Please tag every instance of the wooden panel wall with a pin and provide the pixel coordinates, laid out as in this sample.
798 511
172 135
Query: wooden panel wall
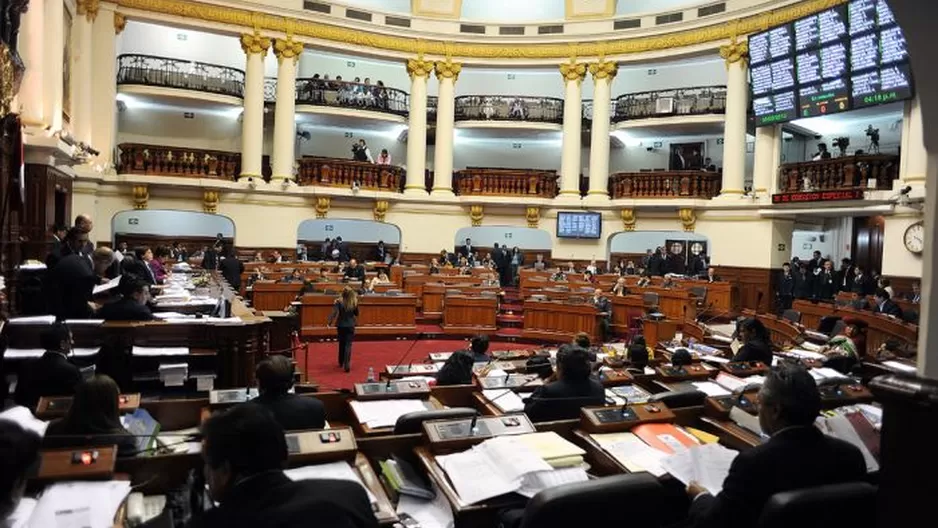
750 283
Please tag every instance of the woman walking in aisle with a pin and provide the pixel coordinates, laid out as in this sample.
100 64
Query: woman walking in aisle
344 315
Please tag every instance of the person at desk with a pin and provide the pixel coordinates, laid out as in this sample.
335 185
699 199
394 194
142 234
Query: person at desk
756 343
232 268
604 310
825 282
380 278
619 289
52 374
19 454
539 263
884 304
843 351
355 272
457 370
345 316
712 276
381 252
789 404
245 450
93 419
132 306
156 264
293 412
861 283
589 277
295 276
70 282
434 267
143 269
858 302
573 385
916 295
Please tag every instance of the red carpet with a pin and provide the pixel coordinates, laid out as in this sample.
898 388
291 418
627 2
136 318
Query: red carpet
324 367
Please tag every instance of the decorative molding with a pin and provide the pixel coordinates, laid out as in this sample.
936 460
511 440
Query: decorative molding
448 70
380 210
286 49
8 86
688 218
476 213
88 8
604 70
628 219
419 68
254 43
245 18
533 216
120 22
210 201
141 196
322 206
573 71
735 51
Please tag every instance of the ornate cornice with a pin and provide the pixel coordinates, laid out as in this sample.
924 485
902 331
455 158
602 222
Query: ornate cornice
285 49
88 8
573 71
254 43
448 70
604 70
419 68
735 51
120 22
257 21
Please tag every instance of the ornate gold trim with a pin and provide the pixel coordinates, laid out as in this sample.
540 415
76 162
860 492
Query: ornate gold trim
380 210
322 206
628 219
419 68
7 79
448 70
120 22
257 21
141 196
688 218
285 49
88 8
573 71
604 70
476 214
254 43
735 51
532 214
210 201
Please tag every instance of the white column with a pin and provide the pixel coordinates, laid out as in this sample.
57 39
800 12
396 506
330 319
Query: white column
447 73
288 55
82 72
914 160
419 70
603 73
104 32
30 44
734 126
573 74
766 160
54 57
252 120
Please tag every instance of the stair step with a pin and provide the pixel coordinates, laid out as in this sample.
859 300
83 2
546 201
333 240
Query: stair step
511 307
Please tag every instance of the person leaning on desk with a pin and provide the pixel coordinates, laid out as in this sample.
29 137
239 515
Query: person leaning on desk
52 374
796 456
93 419
293 412
132 306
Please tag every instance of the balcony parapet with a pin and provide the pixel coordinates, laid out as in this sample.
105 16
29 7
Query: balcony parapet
699 100
165 72
665 184
480 181
843 173
509 108
157 160
332 172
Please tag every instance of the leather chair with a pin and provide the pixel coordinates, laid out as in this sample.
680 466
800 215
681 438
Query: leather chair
792 315
550 409
700 293
639 496
411 423
650 301
675 399
850 504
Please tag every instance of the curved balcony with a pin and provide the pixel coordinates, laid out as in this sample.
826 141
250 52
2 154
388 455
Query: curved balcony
700 100
358 96
665 184
504 108
845 173
164 72
158 160
332 172
481 181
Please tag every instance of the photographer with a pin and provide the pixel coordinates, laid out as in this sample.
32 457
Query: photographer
360 152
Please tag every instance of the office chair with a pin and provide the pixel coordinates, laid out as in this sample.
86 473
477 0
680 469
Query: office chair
680 398
550 409
827 324
700 292
638 496
850 504
792 315
650 301
411 423
838 328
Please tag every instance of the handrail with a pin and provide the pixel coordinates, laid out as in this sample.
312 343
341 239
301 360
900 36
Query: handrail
324 92
505 182
509 108
151 70
334 172
848 172
665 184
664 103
162 160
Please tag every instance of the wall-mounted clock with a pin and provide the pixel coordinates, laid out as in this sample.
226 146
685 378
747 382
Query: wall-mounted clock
914 238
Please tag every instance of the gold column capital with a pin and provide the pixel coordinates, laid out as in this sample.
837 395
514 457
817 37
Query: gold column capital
604 69
448 70
735 51
88 8
573 71
254 43
141 196
380 210
210 201
285 49
629 220
532 215
688 218
120 22
322 206
476 214
419 68
8 83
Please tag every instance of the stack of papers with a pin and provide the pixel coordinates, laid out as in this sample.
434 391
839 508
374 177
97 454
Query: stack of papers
159 351
25 419
553 449
707 465
843 427
505 399
897 365
384 413
107 286
826 373
729 382
805 354
710 388
25 353
631 452
334 470
33 319
174 374
80 504
630 394
434 513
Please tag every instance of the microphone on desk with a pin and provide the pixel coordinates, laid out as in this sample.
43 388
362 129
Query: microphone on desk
401 360
706 310
740 392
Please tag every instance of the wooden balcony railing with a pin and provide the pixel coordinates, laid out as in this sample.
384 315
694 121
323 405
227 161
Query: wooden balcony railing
333 172
177 161
149 70
848 172
477 181
508 108
665 184
666 103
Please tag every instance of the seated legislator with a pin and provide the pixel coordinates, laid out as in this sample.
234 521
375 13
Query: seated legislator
132 306
292 412
19 453
583 340
756 343
92 420
619 289
884 304
380 278
52 374
712 276
574 388
639 354
71 281
294 276
479 348
156 264
457 370
539 263
844 351
231 268
142 267
354 272
796 456
245 450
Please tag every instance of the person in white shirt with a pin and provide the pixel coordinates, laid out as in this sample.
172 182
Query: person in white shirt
384 158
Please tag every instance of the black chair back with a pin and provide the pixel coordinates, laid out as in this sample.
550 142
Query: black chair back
838 328
850 504
675 399
588 503
411 423
792 315
551 409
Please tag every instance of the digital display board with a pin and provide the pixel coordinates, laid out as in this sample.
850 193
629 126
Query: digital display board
579 225
846 57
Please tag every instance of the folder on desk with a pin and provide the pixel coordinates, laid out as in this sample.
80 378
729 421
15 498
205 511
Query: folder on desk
553 449
664 437
404 480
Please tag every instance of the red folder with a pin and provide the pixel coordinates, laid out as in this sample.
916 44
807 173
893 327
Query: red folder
663 436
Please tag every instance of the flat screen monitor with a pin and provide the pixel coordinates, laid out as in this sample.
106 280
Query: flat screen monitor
579 225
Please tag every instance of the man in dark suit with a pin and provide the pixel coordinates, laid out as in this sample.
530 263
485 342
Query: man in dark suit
292 411
786 288
802 281
573 388
479 347
676 262
355 272
381 252
70 282
132 306
85 224
52 374
656 263
789 403
861 283
698 265
244 449
845 276
57 231
604 309
343 249
825 282
498 256
466 249
231 268
885 305
816 262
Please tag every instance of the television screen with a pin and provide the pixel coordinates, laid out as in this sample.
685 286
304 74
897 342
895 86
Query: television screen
579 225
846 57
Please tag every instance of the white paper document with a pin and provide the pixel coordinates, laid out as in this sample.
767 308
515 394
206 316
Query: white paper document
25 419
707 464
729 382
20 516
434 513
159 351
505 399
630 451
26 353
84 322
805 354
80 504
825 373
384 413
745 420
897 365
107 286
334 470
710 388
33 319
840 427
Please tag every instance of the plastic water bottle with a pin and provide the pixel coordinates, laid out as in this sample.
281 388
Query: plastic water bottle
371 375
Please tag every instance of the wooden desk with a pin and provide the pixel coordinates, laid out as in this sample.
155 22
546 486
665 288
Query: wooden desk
274 295
50 408
56 464
782 332
414 285
435 295
660 331
469 314
559 322
879 327
378 315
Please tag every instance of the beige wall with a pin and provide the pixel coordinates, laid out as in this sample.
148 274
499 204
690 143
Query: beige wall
897 260
747 241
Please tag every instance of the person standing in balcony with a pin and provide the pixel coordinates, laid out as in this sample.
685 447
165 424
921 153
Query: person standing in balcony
822 153
360 152
381 95
384 158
